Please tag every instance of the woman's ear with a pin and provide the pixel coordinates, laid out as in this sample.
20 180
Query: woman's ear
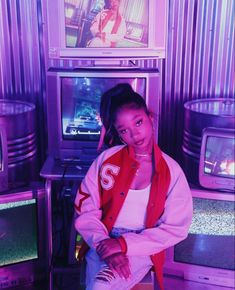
151 116
101 141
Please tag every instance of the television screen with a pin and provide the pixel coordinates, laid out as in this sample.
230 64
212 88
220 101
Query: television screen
24 236
207 255
217 163
219 158
81 102
73 101
210 241
106 28
131 28
18 232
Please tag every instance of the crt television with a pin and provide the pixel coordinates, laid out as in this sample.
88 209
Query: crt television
217 163
69 26
3 160
207 255
23 240
73 101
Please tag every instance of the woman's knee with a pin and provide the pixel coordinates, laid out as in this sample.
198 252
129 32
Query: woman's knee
104 279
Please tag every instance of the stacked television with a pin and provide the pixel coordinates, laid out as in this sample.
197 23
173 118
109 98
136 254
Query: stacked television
69 33
73 107
23 226
73 92
75 83
23 236
207 255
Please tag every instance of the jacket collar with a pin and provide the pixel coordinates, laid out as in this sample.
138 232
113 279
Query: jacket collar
156 151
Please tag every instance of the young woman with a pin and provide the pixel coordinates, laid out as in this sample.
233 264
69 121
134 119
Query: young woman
134 201
108 27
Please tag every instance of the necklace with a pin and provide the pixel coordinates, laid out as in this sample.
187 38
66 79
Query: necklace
142 155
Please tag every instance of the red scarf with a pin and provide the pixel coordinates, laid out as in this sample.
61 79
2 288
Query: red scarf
117 22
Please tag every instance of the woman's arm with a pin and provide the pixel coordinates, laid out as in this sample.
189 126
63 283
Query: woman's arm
95 25
87 205
173 225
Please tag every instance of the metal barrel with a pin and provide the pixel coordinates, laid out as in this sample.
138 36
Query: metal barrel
19 119
200 114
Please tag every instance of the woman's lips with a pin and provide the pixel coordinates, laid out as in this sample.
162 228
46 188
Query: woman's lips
138 143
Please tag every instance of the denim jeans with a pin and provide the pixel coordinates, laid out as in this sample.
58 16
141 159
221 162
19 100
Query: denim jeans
139 265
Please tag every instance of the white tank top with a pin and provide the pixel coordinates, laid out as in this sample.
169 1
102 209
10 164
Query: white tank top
108 27
133 212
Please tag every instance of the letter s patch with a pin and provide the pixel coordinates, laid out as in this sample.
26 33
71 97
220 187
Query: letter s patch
106 173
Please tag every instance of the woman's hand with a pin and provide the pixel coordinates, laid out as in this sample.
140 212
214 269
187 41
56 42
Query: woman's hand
119 263
107 248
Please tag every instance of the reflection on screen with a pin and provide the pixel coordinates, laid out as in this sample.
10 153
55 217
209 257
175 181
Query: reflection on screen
78 245
18 232
81 102
219 156
108 23
211 236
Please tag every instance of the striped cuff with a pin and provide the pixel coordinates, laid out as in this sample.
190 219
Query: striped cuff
123 244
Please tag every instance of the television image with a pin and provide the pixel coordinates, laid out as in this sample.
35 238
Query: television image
217 162
207 255
23 240
3 160
80 111
104 28
73 101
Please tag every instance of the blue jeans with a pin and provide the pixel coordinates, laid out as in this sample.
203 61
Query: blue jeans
139 265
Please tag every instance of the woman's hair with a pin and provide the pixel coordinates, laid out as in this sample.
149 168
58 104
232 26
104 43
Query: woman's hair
107 4
111 102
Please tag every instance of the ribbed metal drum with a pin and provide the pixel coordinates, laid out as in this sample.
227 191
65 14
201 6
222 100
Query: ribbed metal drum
199 114
20 122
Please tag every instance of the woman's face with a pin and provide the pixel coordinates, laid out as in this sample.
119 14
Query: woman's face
114 4
135 128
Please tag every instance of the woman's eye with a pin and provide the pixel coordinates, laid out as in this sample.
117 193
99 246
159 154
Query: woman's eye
138 123
123 131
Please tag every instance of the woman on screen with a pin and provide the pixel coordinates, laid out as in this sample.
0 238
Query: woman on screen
108 27
134 201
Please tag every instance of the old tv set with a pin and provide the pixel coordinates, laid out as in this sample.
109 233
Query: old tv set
23 238
207 255
217 162
139 32
3 160
73 101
